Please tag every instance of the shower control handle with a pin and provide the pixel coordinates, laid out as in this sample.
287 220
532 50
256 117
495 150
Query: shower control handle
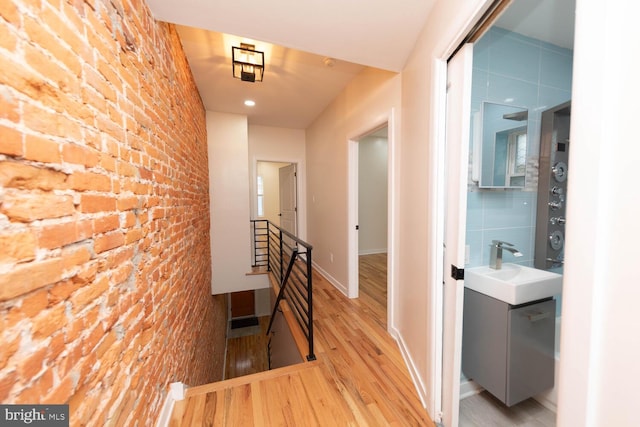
557 220
555 205
556 191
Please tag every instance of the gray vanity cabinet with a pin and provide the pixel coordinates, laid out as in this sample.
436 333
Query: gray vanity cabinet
508 349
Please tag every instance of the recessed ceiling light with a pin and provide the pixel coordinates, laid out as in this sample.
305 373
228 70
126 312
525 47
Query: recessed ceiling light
249 103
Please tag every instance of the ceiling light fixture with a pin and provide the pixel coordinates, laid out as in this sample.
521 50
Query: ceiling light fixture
248 63
249 103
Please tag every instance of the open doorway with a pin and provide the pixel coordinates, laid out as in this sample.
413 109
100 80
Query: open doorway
372 217
369 171
276 193
481 212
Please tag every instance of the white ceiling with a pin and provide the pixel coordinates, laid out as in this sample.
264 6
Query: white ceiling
296 88
297 36
376 33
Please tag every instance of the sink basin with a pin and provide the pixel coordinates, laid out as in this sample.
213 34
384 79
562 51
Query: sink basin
514 284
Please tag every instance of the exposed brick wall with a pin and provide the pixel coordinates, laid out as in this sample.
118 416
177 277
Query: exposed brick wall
104 212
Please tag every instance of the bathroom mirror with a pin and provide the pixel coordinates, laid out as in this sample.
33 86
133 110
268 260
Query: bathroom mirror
501 146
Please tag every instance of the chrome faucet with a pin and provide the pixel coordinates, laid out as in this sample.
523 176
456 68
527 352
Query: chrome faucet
496 253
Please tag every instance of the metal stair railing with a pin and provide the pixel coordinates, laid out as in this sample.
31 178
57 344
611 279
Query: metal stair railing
289 262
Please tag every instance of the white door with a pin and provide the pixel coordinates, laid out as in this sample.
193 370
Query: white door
456 161
288 199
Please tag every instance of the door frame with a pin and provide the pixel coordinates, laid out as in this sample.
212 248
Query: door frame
484 12
301 185
386 119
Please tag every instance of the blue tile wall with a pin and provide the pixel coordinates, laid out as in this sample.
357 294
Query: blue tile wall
512 69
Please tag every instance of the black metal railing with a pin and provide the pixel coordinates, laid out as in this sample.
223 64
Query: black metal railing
288 260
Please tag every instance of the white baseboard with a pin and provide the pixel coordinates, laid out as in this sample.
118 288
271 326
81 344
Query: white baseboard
413 371
468 388
339 286
175 394
372 251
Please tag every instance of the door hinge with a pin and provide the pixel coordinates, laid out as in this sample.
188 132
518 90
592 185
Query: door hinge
457 273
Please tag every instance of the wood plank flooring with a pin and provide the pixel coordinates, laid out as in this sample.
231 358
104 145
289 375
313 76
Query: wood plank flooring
359 377
248 354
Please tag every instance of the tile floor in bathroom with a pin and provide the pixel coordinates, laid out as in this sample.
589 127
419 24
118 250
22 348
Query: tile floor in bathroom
483 409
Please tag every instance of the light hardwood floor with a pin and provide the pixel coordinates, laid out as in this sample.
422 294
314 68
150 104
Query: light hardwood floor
248 354
359 377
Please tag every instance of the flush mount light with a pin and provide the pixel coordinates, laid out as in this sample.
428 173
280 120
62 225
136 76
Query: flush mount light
249 103
248 63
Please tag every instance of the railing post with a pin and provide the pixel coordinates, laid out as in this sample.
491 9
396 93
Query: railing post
281 255
311 355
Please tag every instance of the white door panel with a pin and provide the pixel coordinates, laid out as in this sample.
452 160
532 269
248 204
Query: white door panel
288 199
456 158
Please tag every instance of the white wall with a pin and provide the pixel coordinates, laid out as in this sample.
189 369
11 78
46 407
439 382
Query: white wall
600 341
372 195
420 264
227 143
365 103
280 145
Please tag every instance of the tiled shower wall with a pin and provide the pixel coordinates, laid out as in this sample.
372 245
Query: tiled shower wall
511 69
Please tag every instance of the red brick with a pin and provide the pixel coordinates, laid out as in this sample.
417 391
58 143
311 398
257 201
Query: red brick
75 255
18 246
85 181
27 207
24 176
92 203
56 347
106 223
62 290
107 162
126 203
10 13
7 350
88 294
110 147
86 274
35 302
41 36
38 388
80 155
49 321
65 233
61 393
108 241
27 277
41 149
43 63
32 364
7 382
45 121
133 236
11 141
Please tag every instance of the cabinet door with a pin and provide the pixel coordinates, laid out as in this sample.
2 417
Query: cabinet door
484 342
531 352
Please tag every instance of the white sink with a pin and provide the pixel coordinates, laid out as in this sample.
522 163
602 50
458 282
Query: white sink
514 284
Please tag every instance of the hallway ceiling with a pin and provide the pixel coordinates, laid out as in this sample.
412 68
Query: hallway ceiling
297 37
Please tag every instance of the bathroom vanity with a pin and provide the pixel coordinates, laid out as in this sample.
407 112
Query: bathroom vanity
508 349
